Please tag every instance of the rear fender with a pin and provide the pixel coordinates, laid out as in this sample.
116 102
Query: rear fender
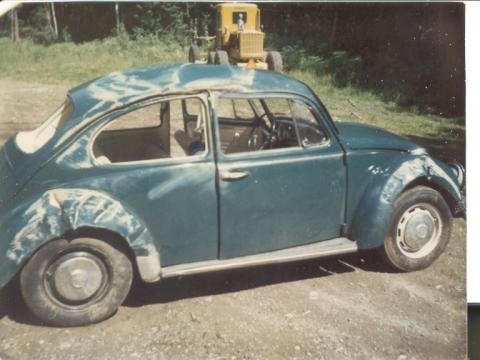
59 211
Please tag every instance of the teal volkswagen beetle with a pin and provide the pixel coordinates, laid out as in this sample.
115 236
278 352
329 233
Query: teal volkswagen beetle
181 169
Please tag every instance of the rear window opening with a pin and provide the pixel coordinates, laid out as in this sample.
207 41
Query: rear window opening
30 141
168 129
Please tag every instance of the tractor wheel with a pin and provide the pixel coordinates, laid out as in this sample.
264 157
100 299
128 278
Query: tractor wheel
274 61
211 57
193 53
221 57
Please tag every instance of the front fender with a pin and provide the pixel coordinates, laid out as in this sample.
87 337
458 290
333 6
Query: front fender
372 216
36 221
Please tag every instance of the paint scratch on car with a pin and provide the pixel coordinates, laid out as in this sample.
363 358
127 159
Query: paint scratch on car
61 210
76 155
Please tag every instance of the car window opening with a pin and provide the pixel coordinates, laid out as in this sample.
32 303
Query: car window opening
260 124
170 129
31 141
239 18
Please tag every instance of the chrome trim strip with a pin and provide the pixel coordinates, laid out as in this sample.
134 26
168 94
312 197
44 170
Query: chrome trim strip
321 249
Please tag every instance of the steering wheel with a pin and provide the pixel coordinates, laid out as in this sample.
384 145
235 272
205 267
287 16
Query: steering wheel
266 121
266 125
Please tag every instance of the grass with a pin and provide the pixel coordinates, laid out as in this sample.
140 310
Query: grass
71 64
445 137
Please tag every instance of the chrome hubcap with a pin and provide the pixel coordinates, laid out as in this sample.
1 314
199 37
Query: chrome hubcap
76 277
418 230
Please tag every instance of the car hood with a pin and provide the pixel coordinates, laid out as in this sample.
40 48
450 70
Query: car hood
355 136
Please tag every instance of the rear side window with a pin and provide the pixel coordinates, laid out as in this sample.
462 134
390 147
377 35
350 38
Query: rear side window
190 107
31 141
147 117
156 131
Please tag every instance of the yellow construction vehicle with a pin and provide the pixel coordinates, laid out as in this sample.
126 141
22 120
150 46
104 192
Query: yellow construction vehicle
239 40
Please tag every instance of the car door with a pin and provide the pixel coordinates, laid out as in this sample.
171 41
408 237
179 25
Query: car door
281 192
145 159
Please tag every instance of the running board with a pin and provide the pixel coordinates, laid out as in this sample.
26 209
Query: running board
324 248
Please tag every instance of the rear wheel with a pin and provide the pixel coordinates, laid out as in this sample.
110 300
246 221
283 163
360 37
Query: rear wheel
274 61
221 57
419 230
211 57
77 282
193 53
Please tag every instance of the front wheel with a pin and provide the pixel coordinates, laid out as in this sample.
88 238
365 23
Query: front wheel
77 282
274 61
420 228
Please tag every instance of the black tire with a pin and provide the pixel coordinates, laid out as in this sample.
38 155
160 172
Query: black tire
47 269
193 53
211 57
274 61
420 216
221 57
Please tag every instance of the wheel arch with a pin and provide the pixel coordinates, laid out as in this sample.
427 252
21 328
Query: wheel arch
145 259
107 235
451 201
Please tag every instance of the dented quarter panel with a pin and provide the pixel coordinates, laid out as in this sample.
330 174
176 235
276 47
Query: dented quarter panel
58 211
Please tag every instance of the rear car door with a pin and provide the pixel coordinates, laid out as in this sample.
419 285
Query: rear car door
281 176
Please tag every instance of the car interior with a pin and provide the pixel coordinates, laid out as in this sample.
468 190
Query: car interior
265 123
156 131
176 128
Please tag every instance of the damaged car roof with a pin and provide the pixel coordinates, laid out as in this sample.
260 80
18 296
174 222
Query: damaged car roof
123 87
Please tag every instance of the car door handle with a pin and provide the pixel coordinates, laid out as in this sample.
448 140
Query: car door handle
233 175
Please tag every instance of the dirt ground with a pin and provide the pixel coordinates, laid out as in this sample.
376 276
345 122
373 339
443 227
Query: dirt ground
338 308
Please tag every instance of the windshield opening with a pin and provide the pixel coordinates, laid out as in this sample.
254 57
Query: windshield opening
31 141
